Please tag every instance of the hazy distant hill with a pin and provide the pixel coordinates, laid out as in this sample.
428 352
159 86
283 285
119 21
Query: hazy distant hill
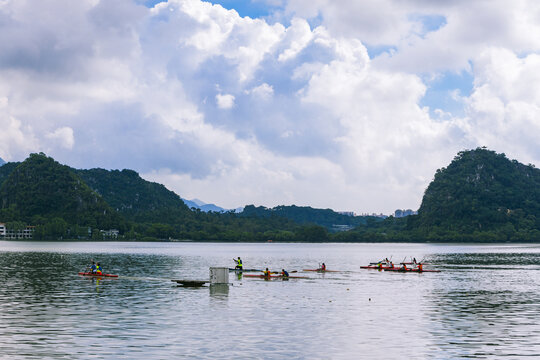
198 204
2 162
40 189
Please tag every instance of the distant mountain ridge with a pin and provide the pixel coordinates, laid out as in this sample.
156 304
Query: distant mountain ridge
479 196
201 205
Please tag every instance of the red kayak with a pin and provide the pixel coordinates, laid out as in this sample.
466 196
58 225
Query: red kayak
375 267
275 276
97 275
320 270
411 270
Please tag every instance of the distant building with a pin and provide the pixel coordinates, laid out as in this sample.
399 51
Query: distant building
399 213
348 213
110 234
381 215
342 227
11 234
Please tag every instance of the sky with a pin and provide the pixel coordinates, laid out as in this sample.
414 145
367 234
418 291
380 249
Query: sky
350 105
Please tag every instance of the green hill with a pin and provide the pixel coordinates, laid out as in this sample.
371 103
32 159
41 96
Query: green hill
307 215
481 190
40 189
135 198
7 169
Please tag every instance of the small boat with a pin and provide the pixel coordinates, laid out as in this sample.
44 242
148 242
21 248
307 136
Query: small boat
244 270
397 269
190 283
97 275
276 276
320 270
376 267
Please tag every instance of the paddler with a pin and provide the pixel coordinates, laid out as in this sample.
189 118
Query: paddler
93 268
99 270
419 267
284 273
266 273
239 265
323 267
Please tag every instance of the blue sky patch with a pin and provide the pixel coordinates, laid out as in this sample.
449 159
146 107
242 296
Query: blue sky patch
439 92
429 23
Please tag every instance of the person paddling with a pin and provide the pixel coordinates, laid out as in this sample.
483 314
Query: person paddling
323 267
239 265
93 268
99 270
284 273
266 273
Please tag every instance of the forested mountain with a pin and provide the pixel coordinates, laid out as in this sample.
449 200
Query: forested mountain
481 190
135 198
40 190
306 215
480 196
7 169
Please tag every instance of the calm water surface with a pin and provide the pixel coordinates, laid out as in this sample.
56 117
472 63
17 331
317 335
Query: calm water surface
484 304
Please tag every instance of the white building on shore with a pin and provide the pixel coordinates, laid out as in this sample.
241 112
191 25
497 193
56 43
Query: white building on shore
12 234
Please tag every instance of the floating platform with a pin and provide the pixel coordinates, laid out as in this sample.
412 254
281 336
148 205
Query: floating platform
190 283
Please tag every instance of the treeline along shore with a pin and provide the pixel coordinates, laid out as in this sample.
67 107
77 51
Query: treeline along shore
481 196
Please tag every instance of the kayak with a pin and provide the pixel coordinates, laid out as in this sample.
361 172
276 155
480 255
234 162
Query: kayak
96 275
245 270
375 267
411 270
276 276
319 270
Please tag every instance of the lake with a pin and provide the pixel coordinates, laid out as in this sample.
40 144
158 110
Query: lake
485 302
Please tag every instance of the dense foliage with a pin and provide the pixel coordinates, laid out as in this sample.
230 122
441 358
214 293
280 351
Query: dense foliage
42 192
135 198
306 215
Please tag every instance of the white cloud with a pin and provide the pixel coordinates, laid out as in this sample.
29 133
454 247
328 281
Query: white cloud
114 85
63 136
225 101
504 109
16 140
263 91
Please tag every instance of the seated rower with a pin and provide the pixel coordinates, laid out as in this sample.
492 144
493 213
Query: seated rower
93 268
284 273
323 267
99 270
266 273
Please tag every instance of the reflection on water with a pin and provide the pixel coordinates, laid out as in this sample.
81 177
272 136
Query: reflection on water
484 303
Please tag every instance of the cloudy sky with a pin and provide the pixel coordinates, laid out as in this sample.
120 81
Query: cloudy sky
350 105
